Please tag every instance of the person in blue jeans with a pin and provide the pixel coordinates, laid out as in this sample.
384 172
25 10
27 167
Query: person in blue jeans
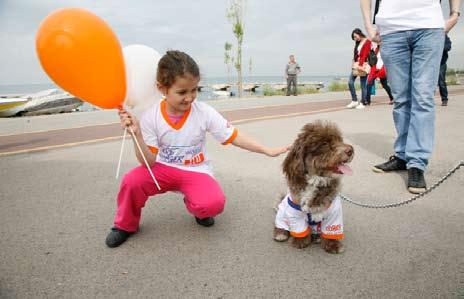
442 78
412 34
361 50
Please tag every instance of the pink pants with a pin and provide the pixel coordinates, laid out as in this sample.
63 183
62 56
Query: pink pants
203 195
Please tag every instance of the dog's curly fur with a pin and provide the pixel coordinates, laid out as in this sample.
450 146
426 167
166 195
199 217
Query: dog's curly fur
310 168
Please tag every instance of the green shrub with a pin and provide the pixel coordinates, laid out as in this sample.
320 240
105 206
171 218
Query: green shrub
342 86
269 91
451 80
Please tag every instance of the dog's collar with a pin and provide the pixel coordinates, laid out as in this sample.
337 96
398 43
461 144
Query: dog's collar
292 204
298 207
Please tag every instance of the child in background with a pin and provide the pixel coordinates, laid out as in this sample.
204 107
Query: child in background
377 71
172 135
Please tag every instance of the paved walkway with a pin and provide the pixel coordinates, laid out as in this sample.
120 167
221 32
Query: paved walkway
57 206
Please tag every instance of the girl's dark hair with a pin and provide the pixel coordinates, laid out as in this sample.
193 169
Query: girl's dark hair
358 32
173 64
356 44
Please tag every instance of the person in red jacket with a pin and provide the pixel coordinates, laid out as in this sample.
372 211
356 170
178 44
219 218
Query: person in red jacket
360 53
377 71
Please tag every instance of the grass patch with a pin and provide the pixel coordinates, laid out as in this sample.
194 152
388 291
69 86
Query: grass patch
269 91
342 86
451 80
338 86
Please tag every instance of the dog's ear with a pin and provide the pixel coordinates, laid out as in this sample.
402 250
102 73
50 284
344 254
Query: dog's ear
294 167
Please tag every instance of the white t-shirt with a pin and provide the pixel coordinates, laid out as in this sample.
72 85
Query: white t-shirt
379 58
291 218
401 15
182 145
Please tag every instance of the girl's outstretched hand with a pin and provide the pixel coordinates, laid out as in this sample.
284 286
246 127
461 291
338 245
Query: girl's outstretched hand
277 151
128 120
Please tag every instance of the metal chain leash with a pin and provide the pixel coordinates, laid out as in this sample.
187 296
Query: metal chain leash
405 202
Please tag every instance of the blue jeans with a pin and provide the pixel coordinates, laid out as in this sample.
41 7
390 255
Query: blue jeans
385 86
412 59
353 89
442 78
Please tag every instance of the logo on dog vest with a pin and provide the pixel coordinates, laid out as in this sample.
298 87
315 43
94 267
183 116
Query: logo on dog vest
332 228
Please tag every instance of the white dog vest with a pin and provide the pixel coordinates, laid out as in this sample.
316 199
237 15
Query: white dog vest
291 218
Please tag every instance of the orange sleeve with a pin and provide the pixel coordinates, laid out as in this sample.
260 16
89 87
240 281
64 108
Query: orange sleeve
153 149
232 137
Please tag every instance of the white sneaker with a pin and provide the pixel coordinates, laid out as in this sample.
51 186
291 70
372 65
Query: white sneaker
352 105
360 106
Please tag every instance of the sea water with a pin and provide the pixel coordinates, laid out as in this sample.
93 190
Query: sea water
207 94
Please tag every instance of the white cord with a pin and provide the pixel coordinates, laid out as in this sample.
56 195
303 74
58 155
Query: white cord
120 154
144 159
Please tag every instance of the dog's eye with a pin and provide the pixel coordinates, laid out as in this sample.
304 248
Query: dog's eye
324 145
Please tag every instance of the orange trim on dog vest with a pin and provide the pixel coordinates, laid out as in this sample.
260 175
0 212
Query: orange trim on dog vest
333 237
302 234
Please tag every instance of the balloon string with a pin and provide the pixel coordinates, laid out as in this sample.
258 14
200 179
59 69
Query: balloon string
120 154
144 159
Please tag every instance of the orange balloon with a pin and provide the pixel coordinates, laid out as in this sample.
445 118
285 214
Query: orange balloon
82 55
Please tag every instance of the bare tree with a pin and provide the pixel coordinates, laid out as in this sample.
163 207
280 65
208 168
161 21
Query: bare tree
235 14
228 60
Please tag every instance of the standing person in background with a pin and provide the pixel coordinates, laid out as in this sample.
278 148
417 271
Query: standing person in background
442 78
361 50
412 34
377 71
291 72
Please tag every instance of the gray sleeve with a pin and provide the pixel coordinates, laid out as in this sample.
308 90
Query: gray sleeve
298 67
286 69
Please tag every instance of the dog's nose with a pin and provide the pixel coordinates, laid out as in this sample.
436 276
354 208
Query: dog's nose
349 151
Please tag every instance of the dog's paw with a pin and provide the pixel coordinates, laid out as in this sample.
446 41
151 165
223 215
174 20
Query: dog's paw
280 235
301 243
333 246
315 238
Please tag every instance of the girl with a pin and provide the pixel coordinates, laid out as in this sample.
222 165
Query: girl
172 136
377 71
361 51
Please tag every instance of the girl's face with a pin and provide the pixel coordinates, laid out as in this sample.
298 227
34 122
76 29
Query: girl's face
180 96
357 37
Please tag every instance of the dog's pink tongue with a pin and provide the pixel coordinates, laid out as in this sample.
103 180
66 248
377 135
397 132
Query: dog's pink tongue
345 169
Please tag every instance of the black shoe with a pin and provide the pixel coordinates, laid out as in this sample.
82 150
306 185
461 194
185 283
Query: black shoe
116 237
393 164
416 181
208 221
444 103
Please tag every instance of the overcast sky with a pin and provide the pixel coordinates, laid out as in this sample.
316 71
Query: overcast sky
317 32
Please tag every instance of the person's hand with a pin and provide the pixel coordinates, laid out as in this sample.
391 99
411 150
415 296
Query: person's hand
277 151
373 33
129 121
449 24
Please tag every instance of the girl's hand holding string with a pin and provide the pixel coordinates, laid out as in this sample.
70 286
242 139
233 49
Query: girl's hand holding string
129 121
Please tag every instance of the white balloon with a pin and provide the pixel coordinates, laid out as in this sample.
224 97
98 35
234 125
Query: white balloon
141 65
